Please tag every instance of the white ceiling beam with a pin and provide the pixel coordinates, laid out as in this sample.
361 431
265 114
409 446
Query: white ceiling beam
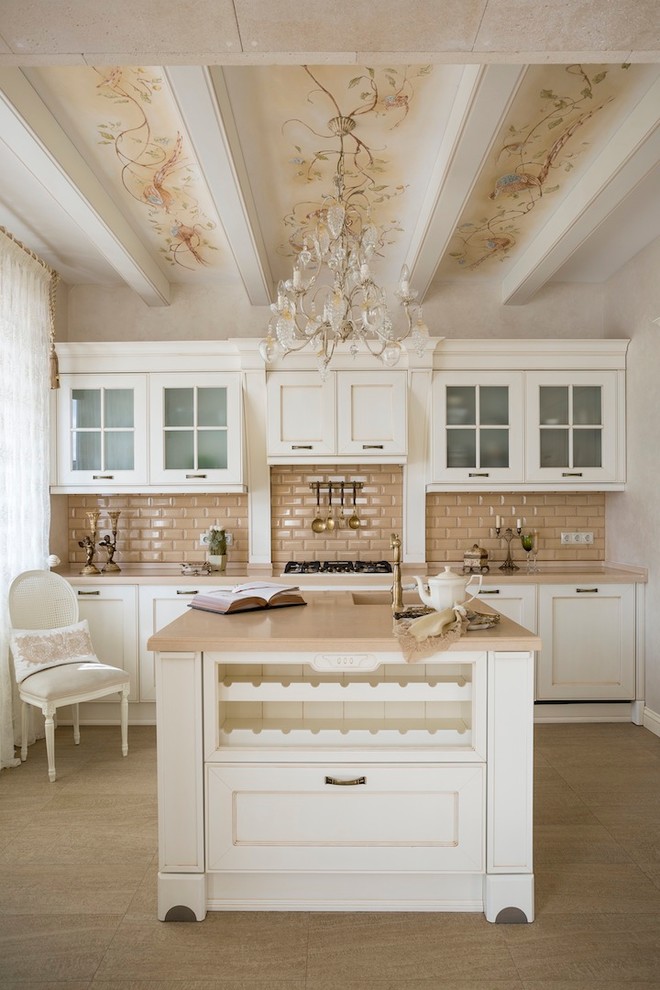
203 102
35 137
482 100
629 156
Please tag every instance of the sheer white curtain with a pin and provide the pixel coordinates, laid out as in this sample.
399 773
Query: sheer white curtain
24 445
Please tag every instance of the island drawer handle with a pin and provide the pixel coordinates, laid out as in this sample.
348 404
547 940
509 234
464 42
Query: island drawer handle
372 446
103 477
89 592
571 474
195 476
478 474
345 783
586 591
302 446
489 591
187 592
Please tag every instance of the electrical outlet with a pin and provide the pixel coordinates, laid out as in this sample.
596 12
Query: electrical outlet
579 538
566 538
229 538
203 539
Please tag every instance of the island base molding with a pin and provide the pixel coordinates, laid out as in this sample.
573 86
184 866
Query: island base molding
503 898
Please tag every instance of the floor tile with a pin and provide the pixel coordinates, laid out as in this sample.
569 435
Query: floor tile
561 844
54 947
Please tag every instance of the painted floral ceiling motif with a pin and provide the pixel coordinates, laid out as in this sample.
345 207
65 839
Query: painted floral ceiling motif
125 120
543 145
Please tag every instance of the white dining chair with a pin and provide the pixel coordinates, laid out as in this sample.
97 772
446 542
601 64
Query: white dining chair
54 660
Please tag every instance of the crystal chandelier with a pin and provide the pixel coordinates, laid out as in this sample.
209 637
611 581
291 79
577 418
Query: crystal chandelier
331 297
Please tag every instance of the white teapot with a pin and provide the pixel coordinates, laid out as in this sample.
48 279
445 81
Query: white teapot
447 589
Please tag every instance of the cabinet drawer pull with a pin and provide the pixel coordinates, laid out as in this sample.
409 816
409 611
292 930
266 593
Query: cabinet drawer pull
372 446
302 446
195 476
195 592
89 592
103 477
586 591
571 474
345 783
489 591
478 474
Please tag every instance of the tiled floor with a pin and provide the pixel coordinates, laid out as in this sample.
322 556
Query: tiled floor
78 871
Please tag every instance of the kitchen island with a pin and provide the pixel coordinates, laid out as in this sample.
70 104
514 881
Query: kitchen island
303 764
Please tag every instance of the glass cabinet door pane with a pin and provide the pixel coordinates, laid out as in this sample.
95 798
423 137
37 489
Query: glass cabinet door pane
587 405
86 408
179 449
494 405
554 448
86 451
553 401
212 407
212 449
461 405
119 455
179 407
587 451
494 449
461 448
118 408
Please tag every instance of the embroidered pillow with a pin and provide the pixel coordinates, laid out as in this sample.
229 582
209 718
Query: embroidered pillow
38 649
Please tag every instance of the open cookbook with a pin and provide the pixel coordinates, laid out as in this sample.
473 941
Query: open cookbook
247 597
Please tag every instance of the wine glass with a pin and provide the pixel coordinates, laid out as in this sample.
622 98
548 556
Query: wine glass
528 542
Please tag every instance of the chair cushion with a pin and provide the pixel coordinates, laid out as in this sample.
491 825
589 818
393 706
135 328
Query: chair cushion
73 679
39 649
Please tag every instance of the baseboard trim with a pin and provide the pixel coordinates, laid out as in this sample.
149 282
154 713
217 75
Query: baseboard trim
652 721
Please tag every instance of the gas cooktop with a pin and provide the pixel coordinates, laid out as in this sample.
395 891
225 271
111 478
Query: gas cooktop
338 567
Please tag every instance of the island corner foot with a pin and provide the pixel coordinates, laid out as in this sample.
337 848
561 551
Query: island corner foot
181 896
509 898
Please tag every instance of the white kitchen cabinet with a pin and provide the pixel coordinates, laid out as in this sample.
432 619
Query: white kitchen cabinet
158 606
574 427
101 431
516 601
355 415
478 428
588 642
196 431
301 414
111 611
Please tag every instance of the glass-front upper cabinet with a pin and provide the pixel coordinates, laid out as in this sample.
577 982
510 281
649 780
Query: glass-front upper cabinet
101 437
477 428
196 429
572 427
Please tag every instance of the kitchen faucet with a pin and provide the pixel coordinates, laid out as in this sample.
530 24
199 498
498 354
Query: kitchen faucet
397 588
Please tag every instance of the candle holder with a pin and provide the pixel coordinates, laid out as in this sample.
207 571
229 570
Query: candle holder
110 546
88 544
508 535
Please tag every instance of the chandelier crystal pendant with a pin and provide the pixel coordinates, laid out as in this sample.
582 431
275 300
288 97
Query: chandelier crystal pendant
331 297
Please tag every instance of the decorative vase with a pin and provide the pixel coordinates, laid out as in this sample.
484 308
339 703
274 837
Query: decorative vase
218 561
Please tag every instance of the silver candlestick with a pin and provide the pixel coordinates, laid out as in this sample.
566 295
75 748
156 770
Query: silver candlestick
508 535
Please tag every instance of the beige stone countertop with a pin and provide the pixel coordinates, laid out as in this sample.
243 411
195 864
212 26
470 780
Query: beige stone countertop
329 622
566 573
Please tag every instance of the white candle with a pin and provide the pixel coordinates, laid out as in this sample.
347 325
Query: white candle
518 524
497 522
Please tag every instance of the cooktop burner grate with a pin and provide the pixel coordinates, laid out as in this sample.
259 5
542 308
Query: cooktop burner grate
338 567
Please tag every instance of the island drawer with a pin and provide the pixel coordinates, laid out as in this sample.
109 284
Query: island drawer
345 817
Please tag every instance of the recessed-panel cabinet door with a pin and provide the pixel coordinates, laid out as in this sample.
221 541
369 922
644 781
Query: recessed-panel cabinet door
111 611
101 437
574 433
372 413
196 430
588 636
301 415
478 428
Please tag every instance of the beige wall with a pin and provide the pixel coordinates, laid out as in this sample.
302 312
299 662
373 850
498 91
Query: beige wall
632 300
